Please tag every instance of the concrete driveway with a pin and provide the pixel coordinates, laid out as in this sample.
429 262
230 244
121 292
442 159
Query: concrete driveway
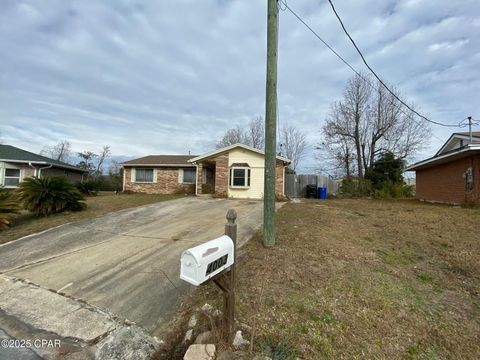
126 262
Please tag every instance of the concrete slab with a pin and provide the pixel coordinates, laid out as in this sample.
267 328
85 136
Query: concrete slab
127 262
45 310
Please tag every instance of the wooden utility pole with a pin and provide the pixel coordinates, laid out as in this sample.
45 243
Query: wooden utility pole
270 125
470 128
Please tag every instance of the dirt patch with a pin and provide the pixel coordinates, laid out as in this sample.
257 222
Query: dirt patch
362 279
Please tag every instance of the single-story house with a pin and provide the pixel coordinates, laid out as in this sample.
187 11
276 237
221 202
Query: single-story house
17 164
453 174
235 171
160 174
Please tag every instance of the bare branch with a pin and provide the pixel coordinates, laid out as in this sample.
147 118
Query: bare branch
294 145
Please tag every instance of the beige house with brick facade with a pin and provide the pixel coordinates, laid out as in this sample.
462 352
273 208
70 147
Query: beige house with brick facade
17 164
453 174
236 171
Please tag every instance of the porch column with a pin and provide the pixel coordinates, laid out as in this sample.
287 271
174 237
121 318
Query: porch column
199 178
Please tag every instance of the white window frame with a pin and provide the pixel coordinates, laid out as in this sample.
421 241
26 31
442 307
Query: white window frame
247 177
5 177
144 182
194 177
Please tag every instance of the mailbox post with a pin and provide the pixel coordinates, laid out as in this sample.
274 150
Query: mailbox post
215 260
229 295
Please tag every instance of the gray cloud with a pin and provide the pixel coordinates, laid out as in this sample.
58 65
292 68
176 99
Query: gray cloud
172 76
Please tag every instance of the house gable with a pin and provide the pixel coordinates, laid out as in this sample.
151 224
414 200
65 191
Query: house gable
457 141
228 149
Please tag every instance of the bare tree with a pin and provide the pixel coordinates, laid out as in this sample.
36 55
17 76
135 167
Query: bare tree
232 136
115 168
336 155
115 173
349 117
93 162
294 145
255 134
373 123
104 154
60 152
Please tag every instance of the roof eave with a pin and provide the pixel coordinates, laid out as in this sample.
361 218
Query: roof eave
436 158
159 165
454 135
44 163
230 147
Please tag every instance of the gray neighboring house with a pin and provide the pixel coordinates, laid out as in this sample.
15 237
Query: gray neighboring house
17 164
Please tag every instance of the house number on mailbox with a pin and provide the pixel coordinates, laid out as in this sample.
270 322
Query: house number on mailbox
214 265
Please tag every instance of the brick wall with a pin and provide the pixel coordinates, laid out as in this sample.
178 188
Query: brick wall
446 182
167 183
199 178
221 175
279 179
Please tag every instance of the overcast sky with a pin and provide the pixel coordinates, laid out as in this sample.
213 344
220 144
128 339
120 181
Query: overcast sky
168 77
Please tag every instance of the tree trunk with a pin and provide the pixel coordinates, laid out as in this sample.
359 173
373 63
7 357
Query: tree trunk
357 143
347 161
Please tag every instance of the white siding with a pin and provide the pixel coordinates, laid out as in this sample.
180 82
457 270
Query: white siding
4 165
257 165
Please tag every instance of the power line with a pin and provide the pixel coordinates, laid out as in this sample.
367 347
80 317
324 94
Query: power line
378 78
286 6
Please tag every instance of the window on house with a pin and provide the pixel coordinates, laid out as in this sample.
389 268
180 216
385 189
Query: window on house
144 175
189 175
12 177
240 177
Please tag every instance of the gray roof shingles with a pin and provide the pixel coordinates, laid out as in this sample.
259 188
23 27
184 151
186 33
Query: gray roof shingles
9 152
181 160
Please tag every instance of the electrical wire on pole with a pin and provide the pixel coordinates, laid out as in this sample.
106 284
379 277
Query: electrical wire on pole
300 19
378 77
471 122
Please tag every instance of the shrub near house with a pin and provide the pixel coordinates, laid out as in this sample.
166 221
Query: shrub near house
8 207
49 195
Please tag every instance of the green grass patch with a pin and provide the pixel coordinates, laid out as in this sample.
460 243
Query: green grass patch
425 277
277 350
395 257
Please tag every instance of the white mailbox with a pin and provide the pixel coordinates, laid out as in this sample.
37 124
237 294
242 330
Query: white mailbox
200 263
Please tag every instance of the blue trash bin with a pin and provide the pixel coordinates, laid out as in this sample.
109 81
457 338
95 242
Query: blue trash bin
322 193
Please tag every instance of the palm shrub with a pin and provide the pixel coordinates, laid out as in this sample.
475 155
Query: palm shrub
49 195
8 207
87 187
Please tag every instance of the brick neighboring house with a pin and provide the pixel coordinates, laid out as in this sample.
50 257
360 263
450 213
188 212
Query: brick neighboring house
160 174
453 174
17 164
236 171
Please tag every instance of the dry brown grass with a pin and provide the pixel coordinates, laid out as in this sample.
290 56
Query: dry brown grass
364 279
26 224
